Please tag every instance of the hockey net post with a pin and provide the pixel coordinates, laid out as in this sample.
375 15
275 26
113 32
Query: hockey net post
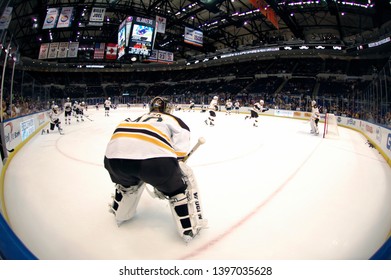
330 126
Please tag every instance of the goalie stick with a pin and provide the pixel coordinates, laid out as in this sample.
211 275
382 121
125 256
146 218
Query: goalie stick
200 141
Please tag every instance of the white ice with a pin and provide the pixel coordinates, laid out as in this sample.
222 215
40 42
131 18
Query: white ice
271 192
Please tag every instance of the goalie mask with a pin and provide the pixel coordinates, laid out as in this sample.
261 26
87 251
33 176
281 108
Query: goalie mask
160 104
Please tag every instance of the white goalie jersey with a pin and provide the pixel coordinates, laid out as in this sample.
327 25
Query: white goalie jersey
150 137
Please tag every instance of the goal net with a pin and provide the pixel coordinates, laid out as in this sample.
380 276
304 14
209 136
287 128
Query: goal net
330 126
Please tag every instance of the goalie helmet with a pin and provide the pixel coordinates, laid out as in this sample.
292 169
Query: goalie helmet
55 108
313 103
160 104
215 97
261 102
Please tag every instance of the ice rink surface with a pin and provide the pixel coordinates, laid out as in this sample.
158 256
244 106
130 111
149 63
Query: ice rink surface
272 192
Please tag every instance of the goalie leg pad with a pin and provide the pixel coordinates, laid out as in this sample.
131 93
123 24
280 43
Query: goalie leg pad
312 123
186 208
125 202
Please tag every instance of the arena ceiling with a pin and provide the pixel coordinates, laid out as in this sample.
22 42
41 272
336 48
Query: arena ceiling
226 24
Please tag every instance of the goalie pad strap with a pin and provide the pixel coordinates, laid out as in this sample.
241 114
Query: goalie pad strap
125 202
186 207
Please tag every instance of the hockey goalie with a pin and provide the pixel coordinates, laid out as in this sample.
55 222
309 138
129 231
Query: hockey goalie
151 150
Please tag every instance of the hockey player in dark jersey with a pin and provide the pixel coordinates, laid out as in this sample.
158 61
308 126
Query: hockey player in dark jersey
151 149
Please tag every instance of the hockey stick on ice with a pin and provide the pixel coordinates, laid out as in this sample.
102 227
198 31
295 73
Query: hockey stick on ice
91 120
154 192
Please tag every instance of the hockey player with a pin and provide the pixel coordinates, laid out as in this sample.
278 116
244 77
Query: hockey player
107 106
257 108
315 116
228 107
54 117
192 105
213 107
150 150
80 111
74 109
68 111
53 104
237 106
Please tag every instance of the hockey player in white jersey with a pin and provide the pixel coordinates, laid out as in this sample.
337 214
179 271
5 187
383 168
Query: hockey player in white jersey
228 107
315 116
74 108
80 111
68 111
150 150
54 116
107 106
254 112
237 106
213 107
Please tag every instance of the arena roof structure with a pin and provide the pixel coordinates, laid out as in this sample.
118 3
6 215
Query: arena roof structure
226 25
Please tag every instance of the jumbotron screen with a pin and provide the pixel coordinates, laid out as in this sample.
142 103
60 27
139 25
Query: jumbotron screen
142 36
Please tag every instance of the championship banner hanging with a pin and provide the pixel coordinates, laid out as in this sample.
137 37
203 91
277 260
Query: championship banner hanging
53 48
62 50
161 24
43 51
6 18
73 49
65 17
51 18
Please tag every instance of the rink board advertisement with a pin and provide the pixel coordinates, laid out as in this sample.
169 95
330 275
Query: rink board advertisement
19 129
378 135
